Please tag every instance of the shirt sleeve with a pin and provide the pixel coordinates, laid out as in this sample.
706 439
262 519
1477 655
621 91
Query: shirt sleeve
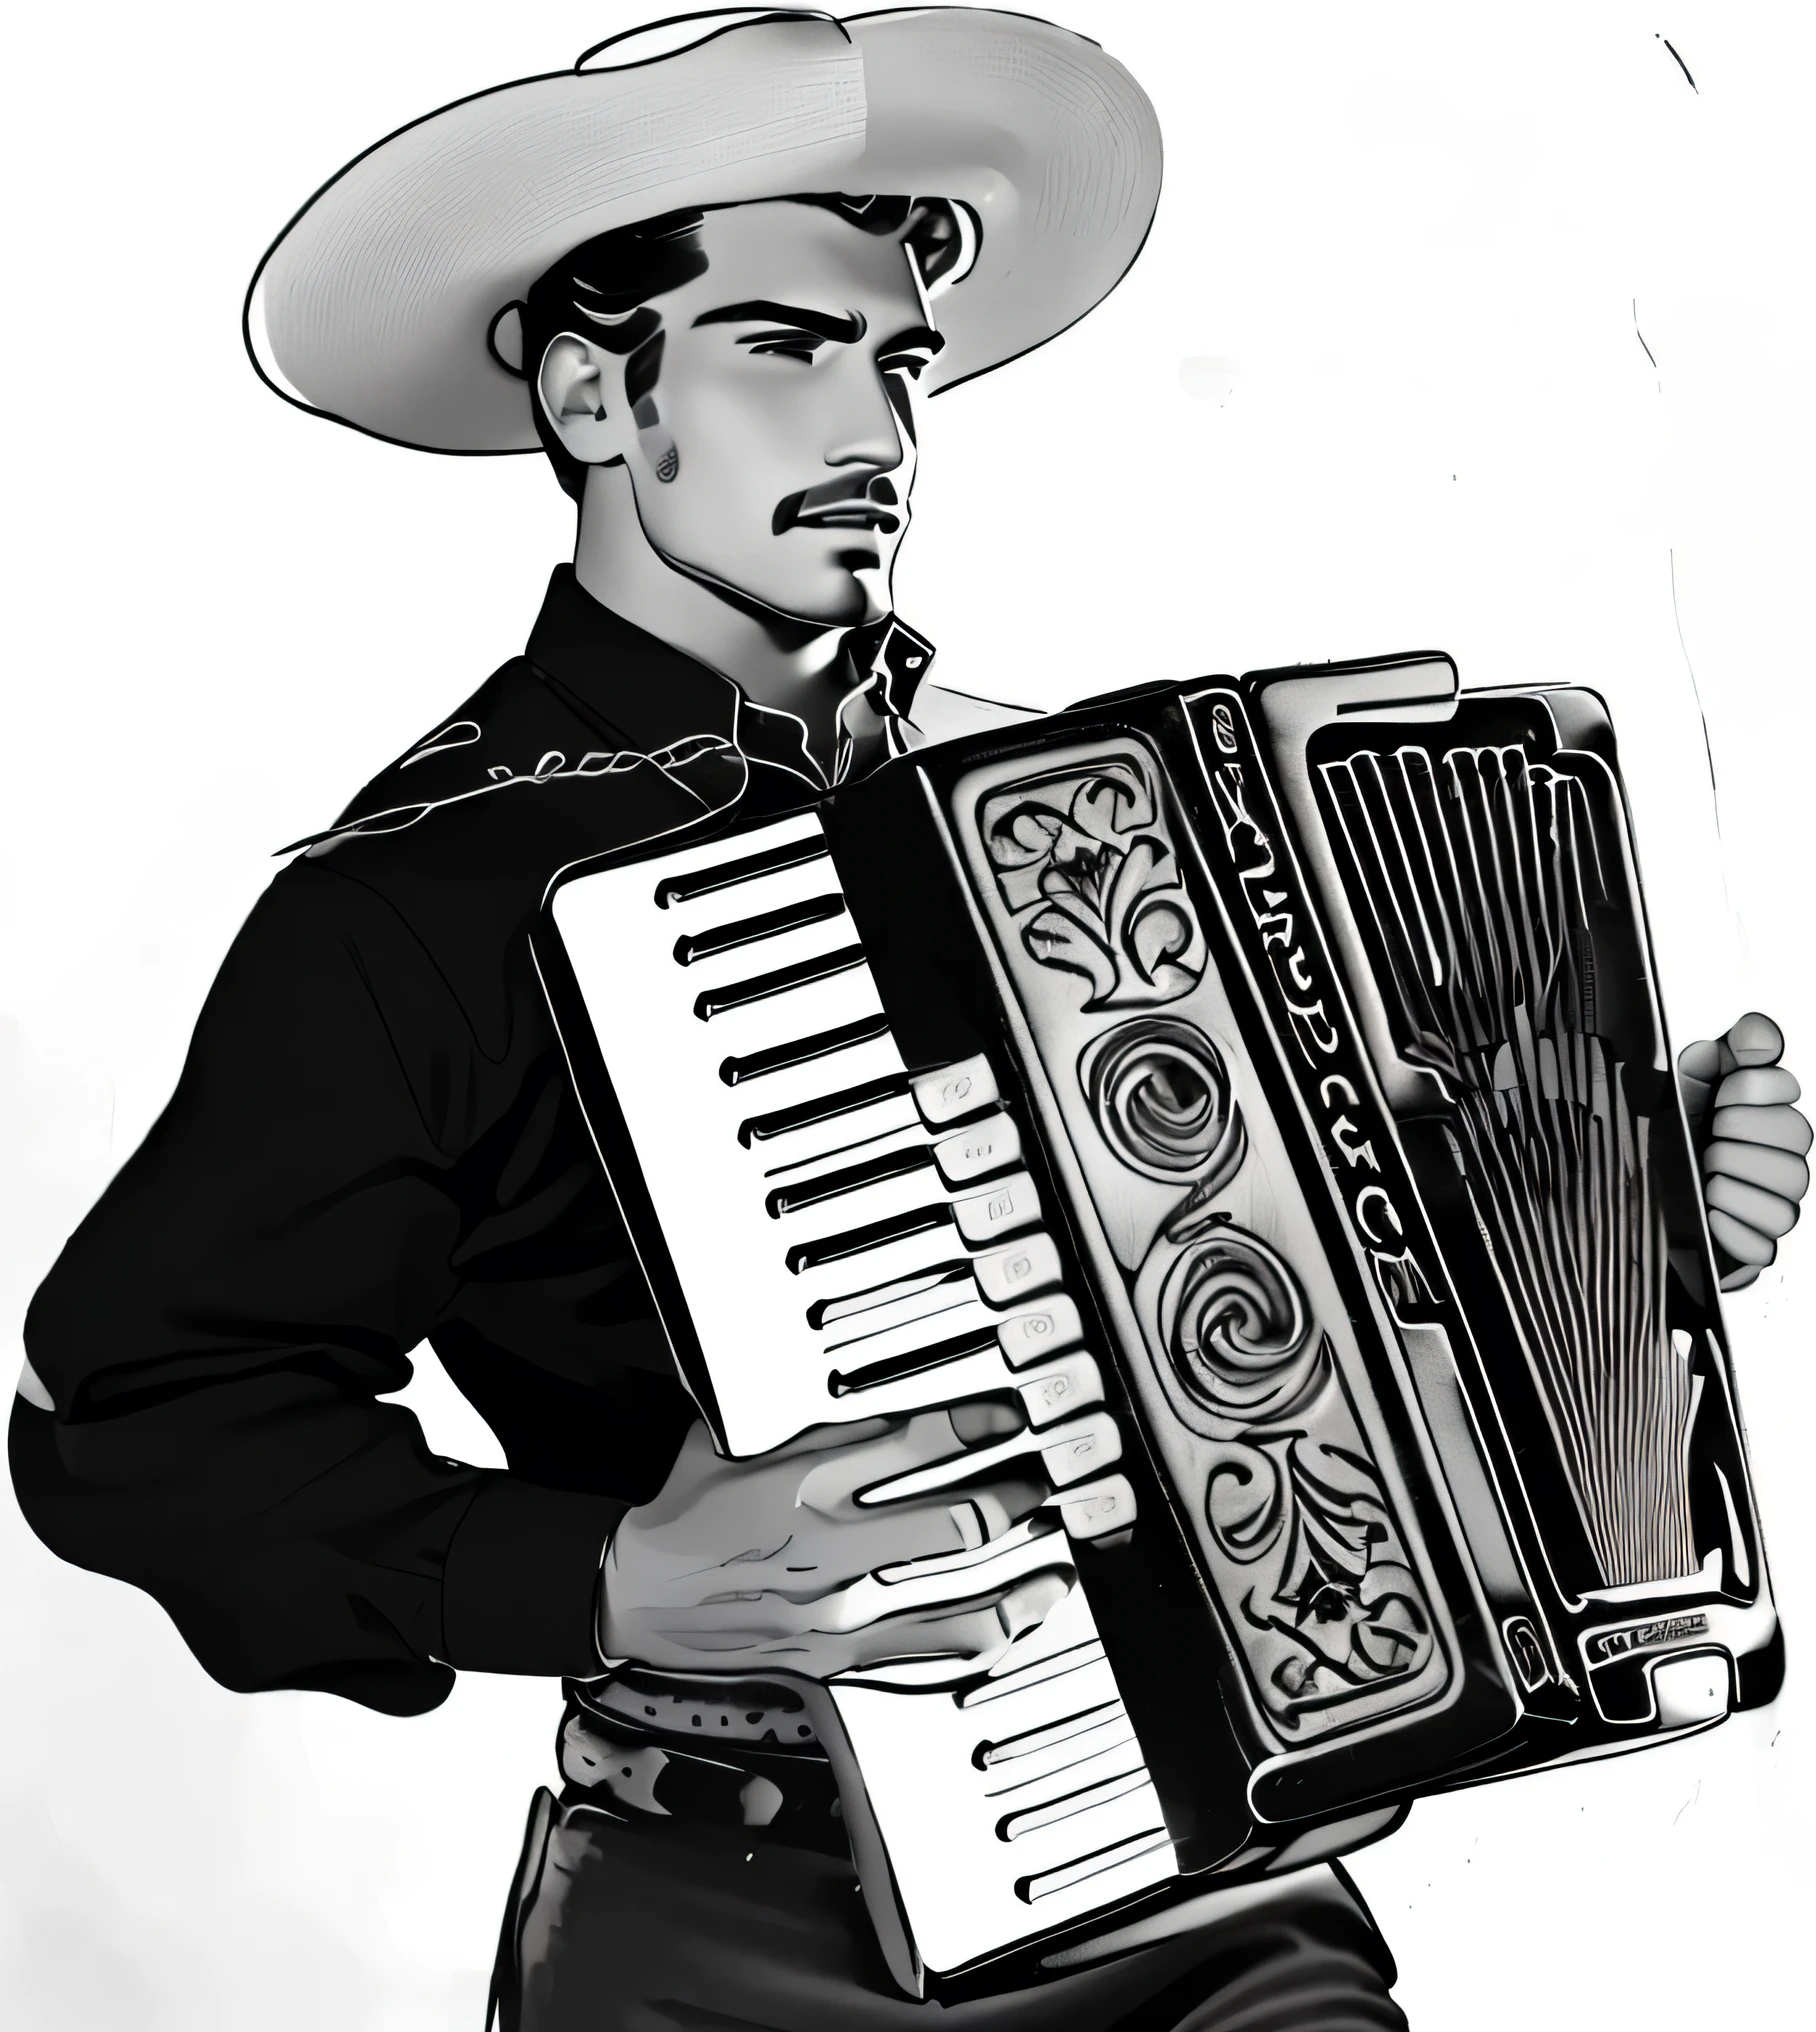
217 1338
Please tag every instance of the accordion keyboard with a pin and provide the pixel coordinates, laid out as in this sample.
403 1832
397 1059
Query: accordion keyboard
852 1240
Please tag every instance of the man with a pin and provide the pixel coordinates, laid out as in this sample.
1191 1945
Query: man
642 266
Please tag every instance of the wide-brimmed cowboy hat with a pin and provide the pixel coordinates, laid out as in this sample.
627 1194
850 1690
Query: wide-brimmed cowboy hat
374 304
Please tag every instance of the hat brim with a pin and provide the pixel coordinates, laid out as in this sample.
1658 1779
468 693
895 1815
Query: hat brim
373 305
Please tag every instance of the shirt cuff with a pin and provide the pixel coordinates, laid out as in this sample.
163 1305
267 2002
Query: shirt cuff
522 1573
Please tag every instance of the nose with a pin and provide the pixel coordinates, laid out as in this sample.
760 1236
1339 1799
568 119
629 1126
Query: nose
865 429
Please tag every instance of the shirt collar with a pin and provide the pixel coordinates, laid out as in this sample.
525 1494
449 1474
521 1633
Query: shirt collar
652 694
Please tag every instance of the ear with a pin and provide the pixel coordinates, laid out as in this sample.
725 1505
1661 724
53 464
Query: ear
581 390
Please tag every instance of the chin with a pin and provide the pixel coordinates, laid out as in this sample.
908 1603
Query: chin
842 599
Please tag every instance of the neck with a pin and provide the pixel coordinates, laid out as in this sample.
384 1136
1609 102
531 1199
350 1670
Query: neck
794 665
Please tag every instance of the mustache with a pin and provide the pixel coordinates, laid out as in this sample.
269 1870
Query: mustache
876 496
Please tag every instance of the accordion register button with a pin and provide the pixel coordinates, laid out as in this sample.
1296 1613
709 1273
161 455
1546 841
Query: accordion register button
1070 1453
1011 1203
990 1145
1095 1509
954 1091
1038 1331
1060 1388
1006 1276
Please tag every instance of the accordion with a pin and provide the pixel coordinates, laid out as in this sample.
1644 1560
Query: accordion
1262 1086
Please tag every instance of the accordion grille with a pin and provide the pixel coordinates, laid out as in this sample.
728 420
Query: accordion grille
1480 870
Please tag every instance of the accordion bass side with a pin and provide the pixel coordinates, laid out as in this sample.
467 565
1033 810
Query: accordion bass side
1263 1084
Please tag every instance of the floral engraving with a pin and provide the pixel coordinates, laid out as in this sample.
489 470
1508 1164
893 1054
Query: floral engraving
1322 1584
1084 862
1333 1606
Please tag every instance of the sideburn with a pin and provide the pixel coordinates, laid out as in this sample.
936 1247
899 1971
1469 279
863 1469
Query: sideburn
640 372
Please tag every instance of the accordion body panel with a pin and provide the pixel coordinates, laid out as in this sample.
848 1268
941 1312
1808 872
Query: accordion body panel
1322 1008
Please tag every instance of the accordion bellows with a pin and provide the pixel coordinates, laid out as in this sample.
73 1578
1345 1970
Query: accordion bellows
1264 1085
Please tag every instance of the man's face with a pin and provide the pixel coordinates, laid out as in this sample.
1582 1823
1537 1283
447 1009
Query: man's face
781 453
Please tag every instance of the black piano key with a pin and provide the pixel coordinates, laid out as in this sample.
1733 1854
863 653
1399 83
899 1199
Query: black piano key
802 1050
854 1241
847 1101
701 945
724 874
759 987
806 1192
920 1281
843 1382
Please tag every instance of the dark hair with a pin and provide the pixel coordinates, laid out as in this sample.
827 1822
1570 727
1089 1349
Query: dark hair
601 290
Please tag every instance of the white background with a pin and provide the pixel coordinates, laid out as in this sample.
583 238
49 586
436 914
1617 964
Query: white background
1377 384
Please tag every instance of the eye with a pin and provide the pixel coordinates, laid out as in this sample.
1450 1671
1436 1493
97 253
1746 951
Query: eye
787 345
914 365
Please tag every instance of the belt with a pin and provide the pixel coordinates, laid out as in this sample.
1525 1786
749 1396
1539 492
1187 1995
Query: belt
619 1764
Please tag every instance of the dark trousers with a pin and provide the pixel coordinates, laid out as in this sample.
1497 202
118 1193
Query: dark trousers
671 1927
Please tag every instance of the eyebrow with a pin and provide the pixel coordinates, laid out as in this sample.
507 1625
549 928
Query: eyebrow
846 330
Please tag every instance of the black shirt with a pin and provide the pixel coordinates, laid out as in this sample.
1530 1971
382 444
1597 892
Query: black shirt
374 1143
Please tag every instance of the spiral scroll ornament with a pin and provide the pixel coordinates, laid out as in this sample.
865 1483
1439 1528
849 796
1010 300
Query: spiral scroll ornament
1161 1097
1238 1330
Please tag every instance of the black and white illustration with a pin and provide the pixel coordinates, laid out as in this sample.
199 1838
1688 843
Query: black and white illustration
1077 1314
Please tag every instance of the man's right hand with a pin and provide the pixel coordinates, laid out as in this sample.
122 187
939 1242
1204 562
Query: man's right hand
767 1564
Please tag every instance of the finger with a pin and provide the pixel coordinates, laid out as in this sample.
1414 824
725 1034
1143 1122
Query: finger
830 1438
1772 1170
1783 1127
1762 1211
1738 1280
1755 1040
1702 1062
974 1633
1748 1248
892 1534
985 1418
1758 1086
997 1505
884 1449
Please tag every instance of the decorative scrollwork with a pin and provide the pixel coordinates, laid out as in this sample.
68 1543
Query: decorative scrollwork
1087 855
1161 1096
1334 1605
1237 1328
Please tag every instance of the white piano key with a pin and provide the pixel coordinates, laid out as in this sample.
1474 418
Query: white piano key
955 1091
1018 1270
1096 1509
1008 1206
962 1315
961 1883
866 1308
1073 1452
844 1138
1034 1331
990 1145
1069 1805
1149 1840
1059 1388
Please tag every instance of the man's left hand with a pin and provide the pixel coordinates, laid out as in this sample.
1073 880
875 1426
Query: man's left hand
1753 1143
